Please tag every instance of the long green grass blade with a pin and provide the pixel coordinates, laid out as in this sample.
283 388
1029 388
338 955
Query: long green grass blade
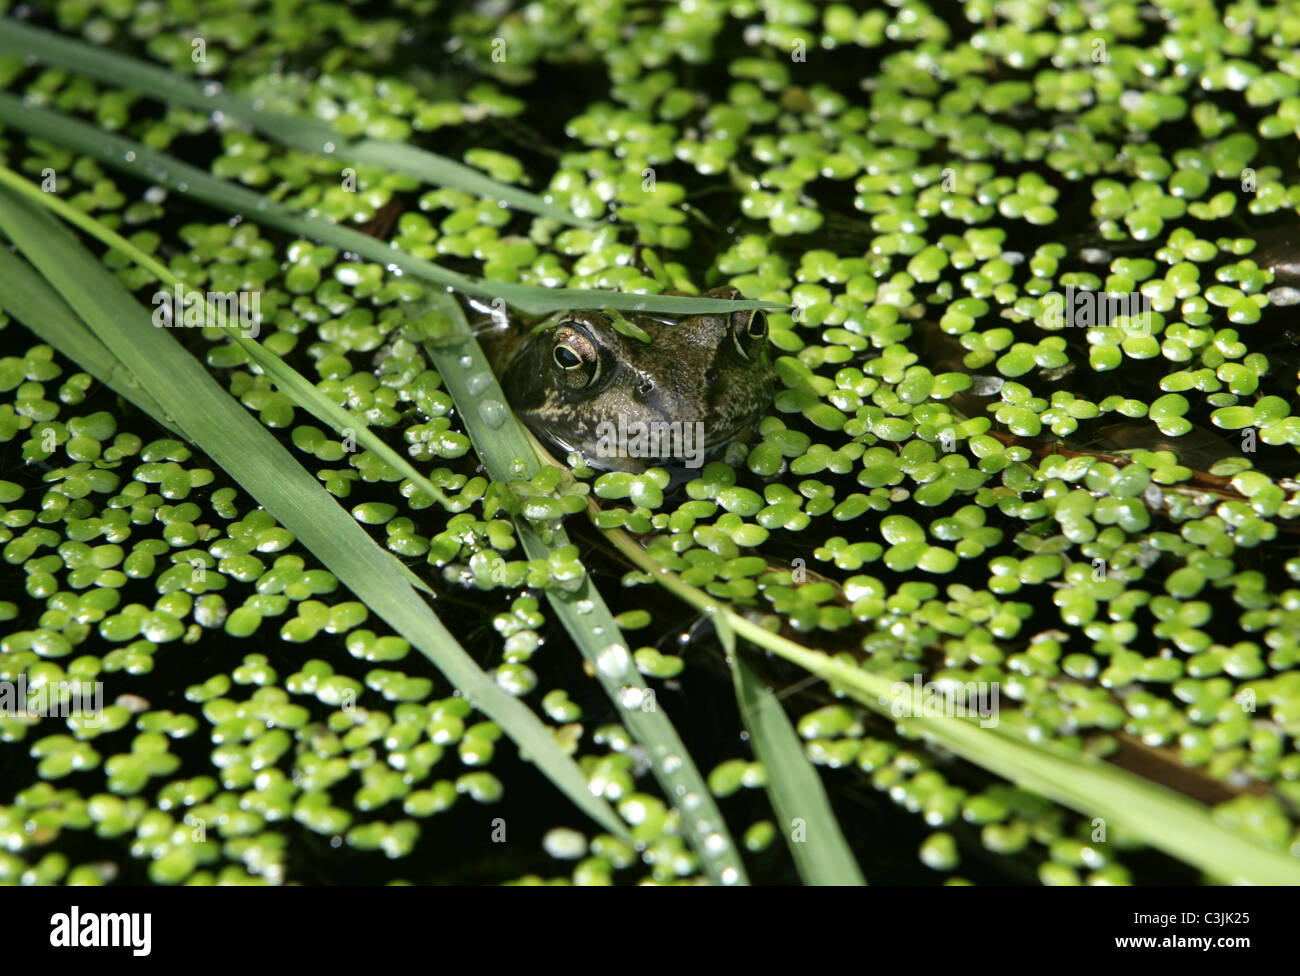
247 451
144 163
1160 817
309 135
803 812
301 390
508 454
25 295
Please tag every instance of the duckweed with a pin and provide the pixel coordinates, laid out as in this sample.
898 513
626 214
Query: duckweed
905 504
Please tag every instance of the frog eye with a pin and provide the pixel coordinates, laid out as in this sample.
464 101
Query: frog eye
749 330
576 356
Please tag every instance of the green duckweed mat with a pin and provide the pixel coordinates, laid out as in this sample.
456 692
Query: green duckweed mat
1004 588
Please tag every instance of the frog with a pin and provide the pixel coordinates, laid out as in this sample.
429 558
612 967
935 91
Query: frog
583 385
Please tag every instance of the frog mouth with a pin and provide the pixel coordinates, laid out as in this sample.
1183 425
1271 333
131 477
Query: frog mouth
628 441
674 442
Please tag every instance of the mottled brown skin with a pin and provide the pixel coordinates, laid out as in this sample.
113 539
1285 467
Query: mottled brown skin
578 372
1278 250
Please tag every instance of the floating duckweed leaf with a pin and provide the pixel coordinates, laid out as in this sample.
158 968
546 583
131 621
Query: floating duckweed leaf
626 327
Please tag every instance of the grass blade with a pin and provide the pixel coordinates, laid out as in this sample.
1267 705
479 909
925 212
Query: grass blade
140 161
25 295
823 856
251 455
508 454
1162 818
303 392
307 134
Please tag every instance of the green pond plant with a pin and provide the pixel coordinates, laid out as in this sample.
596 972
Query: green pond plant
1013 546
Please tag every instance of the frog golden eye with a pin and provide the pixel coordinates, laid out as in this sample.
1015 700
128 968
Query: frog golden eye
749 330
576 357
